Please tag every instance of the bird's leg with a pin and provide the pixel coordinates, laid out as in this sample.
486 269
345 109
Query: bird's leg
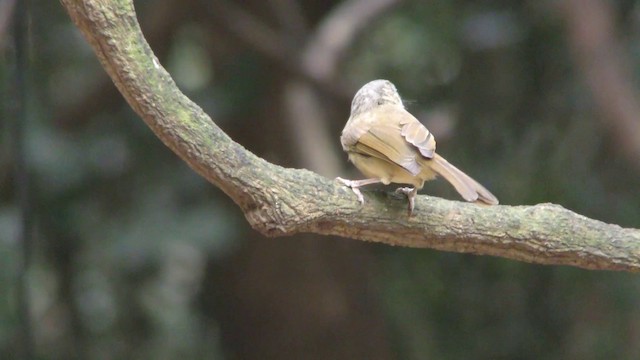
411 195
355 184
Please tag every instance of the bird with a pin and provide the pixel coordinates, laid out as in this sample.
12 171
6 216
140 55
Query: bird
389 145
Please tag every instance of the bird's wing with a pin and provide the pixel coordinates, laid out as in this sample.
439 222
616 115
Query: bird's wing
382 137
353 131
418 135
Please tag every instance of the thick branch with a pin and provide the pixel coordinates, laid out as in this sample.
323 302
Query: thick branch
279 201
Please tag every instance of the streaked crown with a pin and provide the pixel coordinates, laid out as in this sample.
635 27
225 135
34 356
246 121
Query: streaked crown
373 94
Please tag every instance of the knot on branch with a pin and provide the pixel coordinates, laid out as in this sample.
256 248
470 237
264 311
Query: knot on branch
272 216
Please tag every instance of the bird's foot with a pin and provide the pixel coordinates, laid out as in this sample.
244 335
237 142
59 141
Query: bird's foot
411 196
353 185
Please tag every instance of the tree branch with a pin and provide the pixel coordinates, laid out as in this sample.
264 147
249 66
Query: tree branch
598 54
159 27
320 56
278 201
262 38
6 13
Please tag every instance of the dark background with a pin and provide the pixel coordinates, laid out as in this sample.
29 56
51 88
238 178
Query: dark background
137 257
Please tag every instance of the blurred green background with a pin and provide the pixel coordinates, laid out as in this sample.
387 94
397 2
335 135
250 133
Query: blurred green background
137 257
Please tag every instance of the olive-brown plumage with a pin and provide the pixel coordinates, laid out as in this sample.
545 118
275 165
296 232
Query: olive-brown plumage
389 145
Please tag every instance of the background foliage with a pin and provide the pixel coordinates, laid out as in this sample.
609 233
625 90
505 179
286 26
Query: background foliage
135 256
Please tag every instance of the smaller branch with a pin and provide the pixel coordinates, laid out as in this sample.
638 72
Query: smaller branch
22 180
335 35
6 12
308 119
262 38
324 50
600 58
291 19
246 26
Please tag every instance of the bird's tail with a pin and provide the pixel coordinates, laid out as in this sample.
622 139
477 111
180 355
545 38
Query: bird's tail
470 189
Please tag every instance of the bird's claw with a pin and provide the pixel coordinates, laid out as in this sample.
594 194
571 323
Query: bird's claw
411 196
350 184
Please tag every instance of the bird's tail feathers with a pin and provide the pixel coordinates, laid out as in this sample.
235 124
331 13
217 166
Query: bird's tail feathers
468 188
